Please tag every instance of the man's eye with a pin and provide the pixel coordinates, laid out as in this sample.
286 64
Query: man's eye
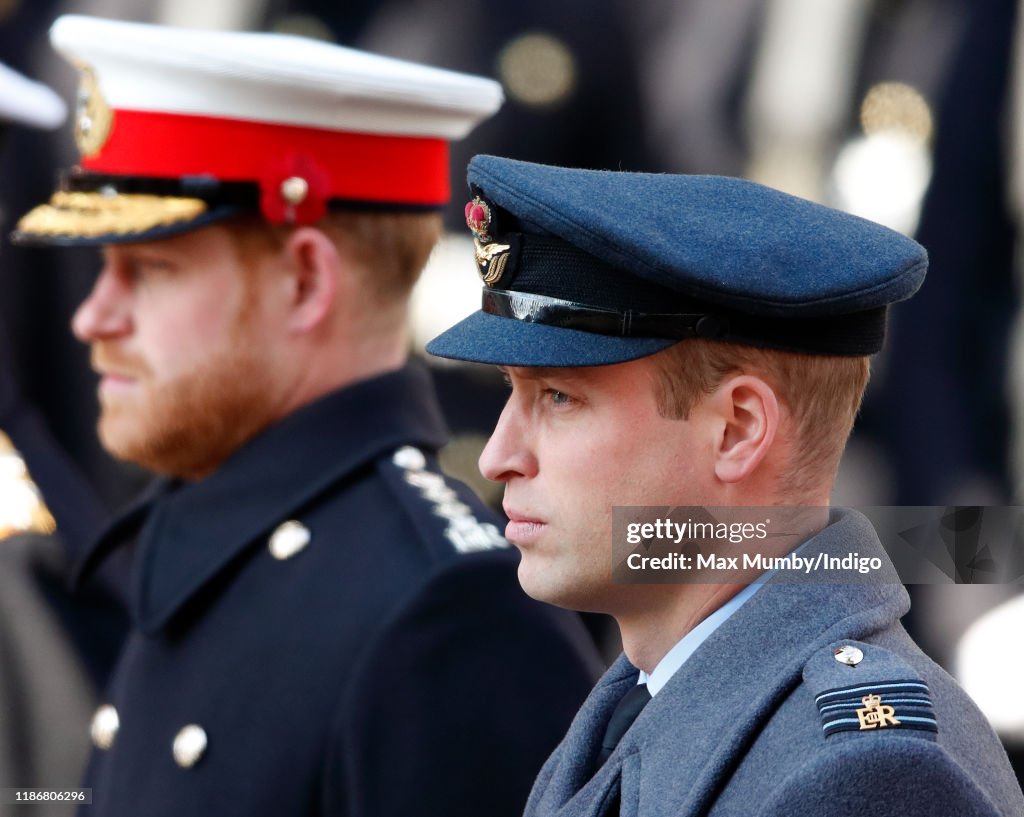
142 267
558 398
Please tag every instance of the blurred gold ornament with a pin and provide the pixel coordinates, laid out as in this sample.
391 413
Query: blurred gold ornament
91 214
22 509
537 70
896 106
94 118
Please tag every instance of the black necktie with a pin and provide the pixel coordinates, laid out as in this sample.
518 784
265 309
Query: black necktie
622 718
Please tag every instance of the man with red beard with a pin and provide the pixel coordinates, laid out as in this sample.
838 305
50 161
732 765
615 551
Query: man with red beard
323 624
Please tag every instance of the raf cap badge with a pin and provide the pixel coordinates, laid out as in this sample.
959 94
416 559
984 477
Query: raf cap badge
478 219
491 257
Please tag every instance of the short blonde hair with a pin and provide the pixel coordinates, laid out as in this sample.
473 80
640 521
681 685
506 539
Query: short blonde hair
392 248
821 393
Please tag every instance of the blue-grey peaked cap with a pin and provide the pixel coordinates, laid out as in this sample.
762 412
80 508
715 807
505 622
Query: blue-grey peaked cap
588 267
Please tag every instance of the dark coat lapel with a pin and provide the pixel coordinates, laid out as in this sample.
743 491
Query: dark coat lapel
565 785
189 535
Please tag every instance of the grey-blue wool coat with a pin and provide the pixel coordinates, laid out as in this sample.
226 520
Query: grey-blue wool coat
761 720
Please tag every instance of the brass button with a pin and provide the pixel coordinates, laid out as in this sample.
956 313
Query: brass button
104 726
409 458
294 189
288 539
189 746
849 655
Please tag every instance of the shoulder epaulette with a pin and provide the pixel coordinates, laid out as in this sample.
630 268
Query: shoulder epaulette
437 502
861 687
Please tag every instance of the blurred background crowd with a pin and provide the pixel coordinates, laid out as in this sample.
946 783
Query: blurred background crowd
907 112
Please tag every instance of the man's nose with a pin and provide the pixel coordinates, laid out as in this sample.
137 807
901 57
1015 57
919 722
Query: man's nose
105 313
508 453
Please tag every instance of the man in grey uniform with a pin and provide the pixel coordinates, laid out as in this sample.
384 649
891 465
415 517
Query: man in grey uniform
698 341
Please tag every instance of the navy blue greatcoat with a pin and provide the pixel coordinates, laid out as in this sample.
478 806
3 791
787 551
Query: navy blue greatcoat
761 721
327 626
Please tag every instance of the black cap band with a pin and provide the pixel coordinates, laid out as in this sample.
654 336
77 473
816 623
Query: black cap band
858 334
526 306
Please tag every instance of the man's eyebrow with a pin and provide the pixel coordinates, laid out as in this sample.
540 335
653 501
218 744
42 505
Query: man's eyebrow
541 372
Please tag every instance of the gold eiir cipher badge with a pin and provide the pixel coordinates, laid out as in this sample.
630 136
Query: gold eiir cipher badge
875 714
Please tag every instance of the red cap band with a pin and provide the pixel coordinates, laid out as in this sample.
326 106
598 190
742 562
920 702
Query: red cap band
354 166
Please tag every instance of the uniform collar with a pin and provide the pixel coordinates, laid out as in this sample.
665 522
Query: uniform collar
761 651
188 533
687 645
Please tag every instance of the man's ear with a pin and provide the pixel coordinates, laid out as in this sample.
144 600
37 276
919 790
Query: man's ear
747 414
314 269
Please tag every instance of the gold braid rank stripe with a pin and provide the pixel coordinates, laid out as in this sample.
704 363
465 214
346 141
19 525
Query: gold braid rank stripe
86 215
22 509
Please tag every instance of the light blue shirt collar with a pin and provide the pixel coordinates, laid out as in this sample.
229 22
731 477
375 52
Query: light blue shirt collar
676 657
687 646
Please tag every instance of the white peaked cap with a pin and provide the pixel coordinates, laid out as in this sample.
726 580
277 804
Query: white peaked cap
25 102
272 78
178 128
